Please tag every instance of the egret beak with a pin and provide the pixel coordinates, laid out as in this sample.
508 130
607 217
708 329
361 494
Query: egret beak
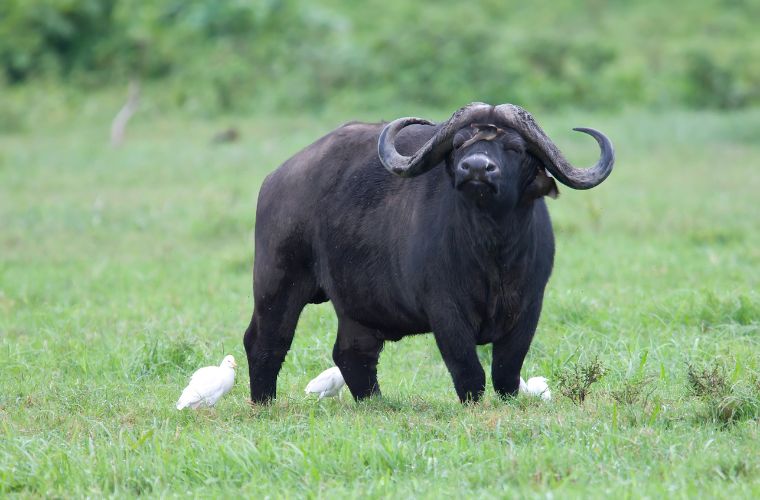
234 365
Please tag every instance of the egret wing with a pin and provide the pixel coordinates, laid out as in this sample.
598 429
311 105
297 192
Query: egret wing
206 382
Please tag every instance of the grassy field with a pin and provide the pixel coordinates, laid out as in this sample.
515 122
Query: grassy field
122 271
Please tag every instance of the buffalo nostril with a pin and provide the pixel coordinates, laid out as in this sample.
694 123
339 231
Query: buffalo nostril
477 165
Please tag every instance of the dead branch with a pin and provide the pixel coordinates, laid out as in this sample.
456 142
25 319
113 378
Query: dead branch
119 123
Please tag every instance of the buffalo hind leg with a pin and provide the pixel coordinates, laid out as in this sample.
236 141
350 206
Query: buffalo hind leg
269 335
509 352
459 352
356 353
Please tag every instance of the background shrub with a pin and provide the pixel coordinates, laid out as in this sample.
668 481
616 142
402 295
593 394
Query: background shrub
241 55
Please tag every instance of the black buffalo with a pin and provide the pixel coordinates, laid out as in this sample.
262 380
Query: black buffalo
411 227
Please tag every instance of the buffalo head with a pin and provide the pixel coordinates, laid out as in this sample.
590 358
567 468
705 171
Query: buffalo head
494 154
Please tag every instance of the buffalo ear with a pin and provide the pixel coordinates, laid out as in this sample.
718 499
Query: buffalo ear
542 185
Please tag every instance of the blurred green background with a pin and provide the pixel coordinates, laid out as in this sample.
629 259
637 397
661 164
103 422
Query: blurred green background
209 56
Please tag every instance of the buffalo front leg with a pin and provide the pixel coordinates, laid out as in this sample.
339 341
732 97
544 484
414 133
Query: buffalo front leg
510 350
459 352
356 353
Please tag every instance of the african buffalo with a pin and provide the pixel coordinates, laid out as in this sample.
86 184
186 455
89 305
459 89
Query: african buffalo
411 227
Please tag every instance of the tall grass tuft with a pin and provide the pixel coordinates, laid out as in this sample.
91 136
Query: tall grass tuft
161 357
575 381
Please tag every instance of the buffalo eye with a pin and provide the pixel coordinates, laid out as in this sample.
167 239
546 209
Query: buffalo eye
460 139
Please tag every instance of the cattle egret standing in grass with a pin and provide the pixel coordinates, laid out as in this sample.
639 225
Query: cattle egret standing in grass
327 384
208 384
536 386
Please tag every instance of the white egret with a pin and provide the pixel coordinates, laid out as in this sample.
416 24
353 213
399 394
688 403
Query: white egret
327 384
208 384
537 386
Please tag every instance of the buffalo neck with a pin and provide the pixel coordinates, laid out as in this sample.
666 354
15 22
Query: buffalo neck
493 237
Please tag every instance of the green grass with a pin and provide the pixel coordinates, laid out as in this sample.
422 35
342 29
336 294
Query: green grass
121 271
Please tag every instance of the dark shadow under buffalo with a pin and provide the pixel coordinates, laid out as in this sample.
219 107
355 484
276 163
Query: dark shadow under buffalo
464 251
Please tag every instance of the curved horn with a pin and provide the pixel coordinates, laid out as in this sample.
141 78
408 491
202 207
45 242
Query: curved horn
432 152
540 144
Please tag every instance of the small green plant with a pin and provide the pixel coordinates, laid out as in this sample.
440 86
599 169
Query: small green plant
708 381
637 389
736 407
575 381
724 402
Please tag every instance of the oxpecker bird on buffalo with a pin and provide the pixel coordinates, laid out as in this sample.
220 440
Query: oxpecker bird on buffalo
411 227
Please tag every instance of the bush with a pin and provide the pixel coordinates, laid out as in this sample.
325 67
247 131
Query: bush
240 55
722 81
723 402
575 381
